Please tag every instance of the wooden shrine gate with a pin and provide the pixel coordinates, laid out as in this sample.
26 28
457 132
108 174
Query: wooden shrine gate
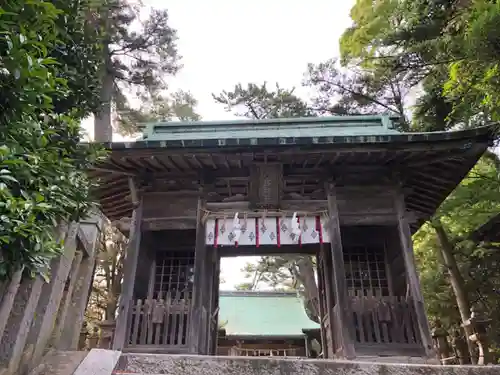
365 303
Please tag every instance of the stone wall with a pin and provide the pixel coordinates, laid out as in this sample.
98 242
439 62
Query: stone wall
203 365
35 315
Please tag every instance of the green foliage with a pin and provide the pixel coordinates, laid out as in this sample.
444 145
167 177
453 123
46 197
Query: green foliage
356 91
474 79
259 102
139 53
148 54
275 272
449 48
474 201
42 179
179 106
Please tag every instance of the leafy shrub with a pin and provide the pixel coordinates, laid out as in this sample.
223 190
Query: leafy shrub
45 91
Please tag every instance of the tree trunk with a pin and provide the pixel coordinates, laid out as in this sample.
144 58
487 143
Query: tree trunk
456 279
306 276
103 130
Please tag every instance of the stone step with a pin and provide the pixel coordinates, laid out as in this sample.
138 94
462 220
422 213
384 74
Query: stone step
156 364
59 363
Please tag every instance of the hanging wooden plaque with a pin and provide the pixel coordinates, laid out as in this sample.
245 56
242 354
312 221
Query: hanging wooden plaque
265 185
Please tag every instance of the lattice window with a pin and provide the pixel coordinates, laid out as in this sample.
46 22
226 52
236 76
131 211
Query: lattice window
174 275
366 272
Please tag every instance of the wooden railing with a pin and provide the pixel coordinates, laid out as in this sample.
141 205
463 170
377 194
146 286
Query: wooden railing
159 322
384 320
247 352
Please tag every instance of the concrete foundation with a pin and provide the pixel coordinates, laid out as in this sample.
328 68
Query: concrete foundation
204 365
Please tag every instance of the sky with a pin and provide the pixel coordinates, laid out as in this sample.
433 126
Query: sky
225 42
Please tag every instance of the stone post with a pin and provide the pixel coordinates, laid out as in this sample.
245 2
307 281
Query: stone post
479 326
50 297
93 339
82 342
107 331
460 348
66 300
440 338
69 329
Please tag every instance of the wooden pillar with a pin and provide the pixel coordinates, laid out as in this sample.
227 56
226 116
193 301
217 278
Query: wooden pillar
207 304
322 303
196 331
204 294
344 318
329 319
411 274
203 332
214 303
120 339
152 275
307 346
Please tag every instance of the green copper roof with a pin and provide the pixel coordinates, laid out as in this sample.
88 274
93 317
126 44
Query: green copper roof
263 314
289 127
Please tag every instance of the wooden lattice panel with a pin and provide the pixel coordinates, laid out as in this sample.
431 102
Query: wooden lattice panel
174 275
366 272
163 320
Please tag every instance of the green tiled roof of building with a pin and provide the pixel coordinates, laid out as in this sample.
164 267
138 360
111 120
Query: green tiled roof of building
263 314
272 128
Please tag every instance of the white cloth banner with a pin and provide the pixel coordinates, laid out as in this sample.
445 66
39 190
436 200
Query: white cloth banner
275 231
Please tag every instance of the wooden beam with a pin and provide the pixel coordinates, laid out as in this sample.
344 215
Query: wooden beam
195 328
113 171
342 299
133 191
412 276
129 272
245 173
194 193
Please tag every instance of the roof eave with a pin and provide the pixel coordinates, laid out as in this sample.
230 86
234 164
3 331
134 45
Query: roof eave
374 139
